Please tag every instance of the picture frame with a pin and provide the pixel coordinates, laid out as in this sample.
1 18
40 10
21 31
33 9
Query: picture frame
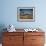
26 14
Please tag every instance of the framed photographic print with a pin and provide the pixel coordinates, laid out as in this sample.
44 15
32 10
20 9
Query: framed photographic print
26 14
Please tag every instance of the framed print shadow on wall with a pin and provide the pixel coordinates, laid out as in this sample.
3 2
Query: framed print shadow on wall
26 14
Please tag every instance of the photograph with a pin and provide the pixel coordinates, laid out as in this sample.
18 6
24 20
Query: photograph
25 14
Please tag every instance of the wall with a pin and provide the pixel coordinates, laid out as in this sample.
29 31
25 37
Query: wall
8 13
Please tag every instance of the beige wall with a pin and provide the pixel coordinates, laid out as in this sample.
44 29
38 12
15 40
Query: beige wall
0 44
45 37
